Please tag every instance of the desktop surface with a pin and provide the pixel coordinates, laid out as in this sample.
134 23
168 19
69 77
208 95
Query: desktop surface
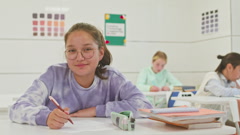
104 126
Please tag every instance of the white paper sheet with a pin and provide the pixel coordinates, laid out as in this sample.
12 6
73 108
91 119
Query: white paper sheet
87 125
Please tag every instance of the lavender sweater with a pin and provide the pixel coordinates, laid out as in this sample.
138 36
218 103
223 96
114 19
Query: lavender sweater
115 94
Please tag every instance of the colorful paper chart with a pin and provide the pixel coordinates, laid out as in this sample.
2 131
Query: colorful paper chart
115 29
48 24
210 22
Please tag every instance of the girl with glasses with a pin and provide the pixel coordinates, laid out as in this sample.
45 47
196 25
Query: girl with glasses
85 86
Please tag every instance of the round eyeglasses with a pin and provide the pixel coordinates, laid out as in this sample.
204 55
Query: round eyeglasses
86 53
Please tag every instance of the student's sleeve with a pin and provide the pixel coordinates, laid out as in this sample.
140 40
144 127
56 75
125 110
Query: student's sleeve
172 81
214 86
30 108
127 97
141 82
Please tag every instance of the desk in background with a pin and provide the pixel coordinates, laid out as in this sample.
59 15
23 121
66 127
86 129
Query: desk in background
156 95
104 126
223 101
168 95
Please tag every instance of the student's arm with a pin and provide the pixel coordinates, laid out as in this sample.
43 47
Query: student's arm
172 81
89 112
30 108
214 86
126 97
141 81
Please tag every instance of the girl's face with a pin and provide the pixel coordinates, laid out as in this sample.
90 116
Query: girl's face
83 63
158 65
233 74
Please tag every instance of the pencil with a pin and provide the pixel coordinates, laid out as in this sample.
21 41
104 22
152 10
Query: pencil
58 106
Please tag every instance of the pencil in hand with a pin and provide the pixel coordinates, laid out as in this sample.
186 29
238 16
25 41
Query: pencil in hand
58 106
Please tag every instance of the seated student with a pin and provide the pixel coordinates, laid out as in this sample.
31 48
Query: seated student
155 78
85 86
222 82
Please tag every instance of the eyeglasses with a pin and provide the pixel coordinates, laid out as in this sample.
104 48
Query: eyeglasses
86 53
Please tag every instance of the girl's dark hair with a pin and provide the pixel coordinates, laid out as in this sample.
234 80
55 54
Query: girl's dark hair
232 58
99 39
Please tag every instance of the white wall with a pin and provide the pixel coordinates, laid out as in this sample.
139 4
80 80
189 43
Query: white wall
235 25
171 26
191 54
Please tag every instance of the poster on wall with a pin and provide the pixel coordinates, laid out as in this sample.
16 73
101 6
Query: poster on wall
210 21
115 29
48 24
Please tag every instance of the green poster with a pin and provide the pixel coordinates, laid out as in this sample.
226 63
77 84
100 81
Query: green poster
115 29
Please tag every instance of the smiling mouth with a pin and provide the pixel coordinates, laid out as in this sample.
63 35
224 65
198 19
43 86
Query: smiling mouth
80 65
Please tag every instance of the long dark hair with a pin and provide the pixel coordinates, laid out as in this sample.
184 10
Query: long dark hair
232 58
99 39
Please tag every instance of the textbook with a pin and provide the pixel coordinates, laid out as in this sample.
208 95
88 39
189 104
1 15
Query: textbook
209 123
184 88
177 116
194 121
175 110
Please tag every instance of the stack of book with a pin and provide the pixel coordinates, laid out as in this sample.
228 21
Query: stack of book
184 88
186 117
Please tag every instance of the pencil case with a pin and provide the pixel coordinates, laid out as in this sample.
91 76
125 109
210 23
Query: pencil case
124 120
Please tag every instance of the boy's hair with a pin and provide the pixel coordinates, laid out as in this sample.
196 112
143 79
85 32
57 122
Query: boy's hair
159 54
232 58
99 39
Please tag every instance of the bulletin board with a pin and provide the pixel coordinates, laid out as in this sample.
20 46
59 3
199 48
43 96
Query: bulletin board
115 29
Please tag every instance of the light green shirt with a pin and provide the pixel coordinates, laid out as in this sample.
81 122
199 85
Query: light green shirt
148 78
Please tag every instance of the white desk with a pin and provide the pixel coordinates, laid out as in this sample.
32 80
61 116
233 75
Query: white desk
205 99
223 101
155 95
104 126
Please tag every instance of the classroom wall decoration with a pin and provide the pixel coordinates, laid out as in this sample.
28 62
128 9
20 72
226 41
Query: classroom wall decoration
48 24
115 29
210 22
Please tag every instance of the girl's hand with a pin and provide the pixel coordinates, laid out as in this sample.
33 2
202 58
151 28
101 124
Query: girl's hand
89 112
57 118
165 88
154 89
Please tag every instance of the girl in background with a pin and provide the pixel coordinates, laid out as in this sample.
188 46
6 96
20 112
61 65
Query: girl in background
155 78
222 82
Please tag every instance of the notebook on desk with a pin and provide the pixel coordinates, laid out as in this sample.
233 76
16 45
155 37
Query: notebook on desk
176 116
190 118
194 124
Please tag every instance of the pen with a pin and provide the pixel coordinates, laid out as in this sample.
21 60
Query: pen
58 106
